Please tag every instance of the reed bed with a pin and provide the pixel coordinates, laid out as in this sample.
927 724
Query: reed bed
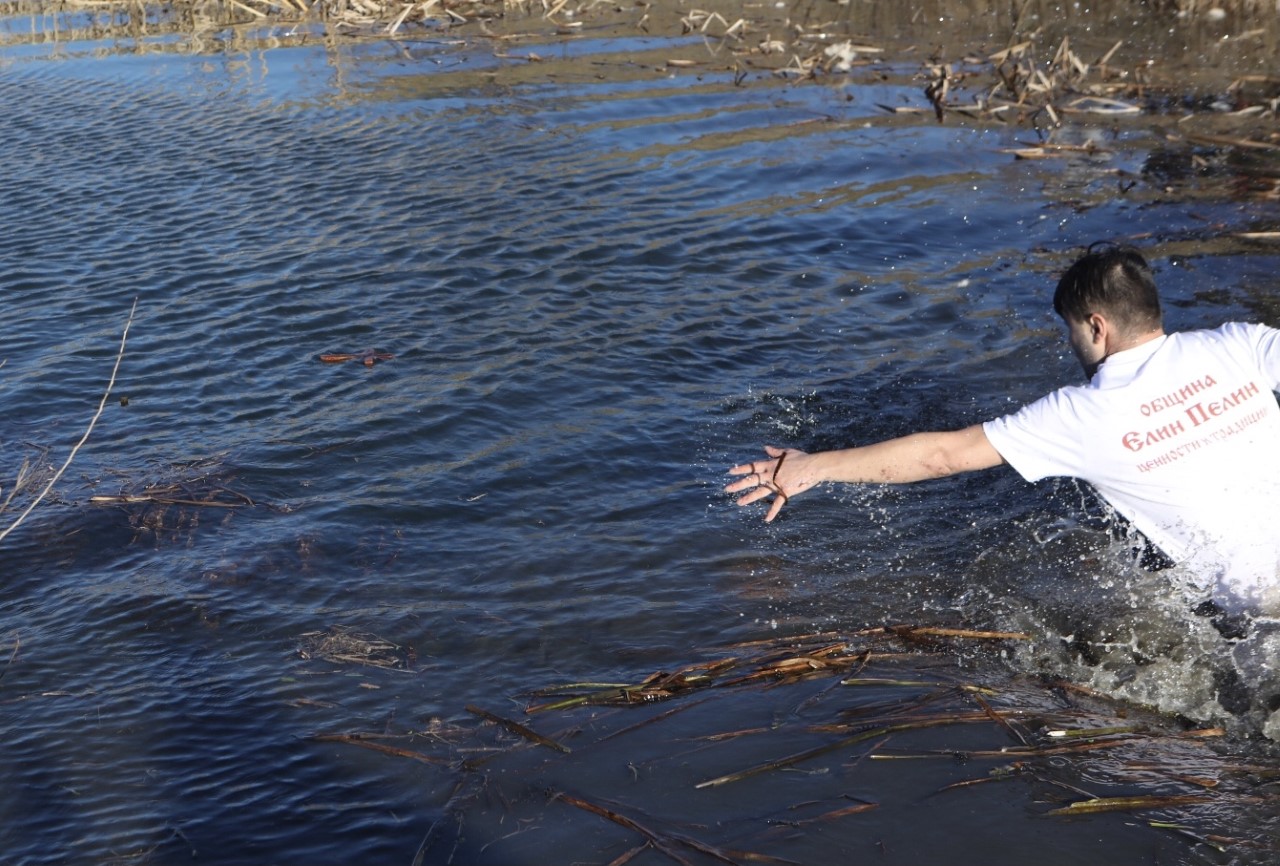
835 704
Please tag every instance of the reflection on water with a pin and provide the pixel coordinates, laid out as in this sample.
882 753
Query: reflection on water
599 290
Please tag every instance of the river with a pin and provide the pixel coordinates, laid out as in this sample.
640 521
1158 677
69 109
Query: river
591 279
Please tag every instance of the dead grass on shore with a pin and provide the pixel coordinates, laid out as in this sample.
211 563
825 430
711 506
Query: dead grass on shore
1034 62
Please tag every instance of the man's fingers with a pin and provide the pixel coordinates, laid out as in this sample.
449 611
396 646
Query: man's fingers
759 482
757 465
754 496
778 502
757 473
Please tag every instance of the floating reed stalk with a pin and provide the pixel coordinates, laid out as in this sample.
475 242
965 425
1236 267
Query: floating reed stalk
665 842
800 757
518 729
363 741
1127 804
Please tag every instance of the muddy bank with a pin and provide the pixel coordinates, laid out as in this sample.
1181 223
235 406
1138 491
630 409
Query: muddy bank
1042 63
1176 41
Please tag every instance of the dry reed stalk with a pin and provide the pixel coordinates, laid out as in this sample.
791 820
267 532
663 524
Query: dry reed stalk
665 842
913 631
518 729
817 751
102 405
255 12
1232 141
1017 754
666 714
342 645
17 642
903 716
1003 722
395 25
20 482
365 743
1128 804
627 856
154 499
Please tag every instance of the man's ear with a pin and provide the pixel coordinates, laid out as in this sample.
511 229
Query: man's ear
1098 327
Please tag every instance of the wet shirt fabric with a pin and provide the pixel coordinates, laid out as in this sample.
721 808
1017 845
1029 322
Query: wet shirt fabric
1181 435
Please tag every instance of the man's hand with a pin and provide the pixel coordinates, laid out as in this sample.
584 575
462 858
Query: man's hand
787 473
916 457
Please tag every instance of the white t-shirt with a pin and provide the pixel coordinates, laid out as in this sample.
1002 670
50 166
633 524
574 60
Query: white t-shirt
1182 436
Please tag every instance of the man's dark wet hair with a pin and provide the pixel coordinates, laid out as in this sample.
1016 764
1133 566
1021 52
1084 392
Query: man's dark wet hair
1115 281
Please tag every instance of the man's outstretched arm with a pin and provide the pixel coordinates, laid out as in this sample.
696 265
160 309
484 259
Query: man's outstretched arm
920 456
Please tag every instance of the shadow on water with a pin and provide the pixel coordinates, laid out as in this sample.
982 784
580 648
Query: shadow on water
286 610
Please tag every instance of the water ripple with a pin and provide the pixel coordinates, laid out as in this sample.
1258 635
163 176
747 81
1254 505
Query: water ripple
597 294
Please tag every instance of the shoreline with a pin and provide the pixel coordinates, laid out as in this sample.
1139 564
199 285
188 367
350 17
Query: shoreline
970 56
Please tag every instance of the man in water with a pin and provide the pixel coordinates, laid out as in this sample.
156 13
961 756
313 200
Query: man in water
1180 433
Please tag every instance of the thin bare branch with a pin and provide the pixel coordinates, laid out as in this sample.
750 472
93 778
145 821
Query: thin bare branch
83 439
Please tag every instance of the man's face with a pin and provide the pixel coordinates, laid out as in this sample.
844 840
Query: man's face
1085 342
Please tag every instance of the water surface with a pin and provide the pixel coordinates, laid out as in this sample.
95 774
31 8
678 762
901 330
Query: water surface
600 290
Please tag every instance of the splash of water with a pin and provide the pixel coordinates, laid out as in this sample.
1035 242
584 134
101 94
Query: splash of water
1100 619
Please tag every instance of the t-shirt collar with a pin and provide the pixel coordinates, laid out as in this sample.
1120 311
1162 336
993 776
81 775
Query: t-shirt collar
1120 367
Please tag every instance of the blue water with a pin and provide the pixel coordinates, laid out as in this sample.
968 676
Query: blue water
599 292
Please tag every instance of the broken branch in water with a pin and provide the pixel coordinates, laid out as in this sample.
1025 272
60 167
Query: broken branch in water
83 439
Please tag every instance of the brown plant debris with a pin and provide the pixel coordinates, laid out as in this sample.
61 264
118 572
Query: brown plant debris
344 646
173 498
365 742
1032 731
200 483
368 357
780 663
518 729
664 842
1127 804
176 494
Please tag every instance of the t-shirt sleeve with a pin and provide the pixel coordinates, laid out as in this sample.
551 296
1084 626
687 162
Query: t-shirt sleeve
1265 344
1041 439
